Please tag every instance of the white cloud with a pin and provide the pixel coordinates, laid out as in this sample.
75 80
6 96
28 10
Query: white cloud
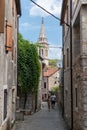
28 26
55 53
25 25
53 6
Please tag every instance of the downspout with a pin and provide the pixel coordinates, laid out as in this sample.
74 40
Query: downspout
71 65
63 79
18 9
17 55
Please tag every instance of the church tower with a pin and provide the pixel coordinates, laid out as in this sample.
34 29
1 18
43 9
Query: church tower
43 44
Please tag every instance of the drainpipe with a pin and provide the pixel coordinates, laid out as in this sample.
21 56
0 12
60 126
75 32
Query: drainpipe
63 79
71 64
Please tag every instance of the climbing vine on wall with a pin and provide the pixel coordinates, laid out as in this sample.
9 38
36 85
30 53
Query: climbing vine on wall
28 66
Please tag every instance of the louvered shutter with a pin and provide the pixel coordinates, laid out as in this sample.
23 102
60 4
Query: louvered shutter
2 15
9 43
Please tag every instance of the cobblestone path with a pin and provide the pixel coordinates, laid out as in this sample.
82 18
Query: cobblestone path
43 120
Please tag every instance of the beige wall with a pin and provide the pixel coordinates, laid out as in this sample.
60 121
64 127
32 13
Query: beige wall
8 67
53 81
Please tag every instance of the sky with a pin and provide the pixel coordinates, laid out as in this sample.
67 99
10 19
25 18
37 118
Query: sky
30 24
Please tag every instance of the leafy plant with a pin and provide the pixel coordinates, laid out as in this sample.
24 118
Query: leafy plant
28 66
53 62
55 89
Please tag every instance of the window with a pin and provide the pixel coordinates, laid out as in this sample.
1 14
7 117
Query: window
42 52
55 82
67 57
5 103
9 42
13 95
44 84
39 52
67 14
64 61
45 95
76 97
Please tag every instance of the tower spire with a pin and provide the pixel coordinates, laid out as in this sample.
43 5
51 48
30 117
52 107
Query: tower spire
42 41
42 37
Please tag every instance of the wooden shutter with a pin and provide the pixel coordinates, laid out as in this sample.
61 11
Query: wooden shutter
9 42
2 15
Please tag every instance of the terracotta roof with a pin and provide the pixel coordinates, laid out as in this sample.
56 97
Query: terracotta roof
49 71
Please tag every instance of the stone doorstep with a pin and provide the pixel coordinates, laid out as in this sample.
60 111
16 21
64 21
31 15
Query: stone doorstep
26 112
19 115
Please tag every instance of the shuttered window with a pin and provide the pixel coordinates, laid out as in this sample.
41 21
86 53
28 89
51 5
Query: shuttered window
9 42
64 62
76 93
2 15
44 84
5 103
67 57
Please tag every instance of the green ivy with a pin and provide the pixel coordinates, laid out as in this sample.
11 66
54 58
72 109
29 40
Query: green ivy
28 66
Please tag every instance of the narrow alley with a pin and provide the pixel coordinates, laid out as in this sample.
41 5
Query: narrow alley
43 120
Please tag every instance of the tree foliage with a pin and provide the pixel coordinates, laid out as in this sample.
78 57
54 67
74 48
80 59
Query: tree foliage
55 89
28 66
53 62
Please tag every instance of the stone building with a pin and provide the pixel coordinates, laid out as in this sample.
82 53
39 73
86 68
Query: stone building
9 12
43 52
74 24
43 44
50 78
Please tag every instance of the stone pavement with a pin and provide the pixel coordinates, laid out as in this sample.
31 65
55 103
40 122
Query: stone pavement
43 120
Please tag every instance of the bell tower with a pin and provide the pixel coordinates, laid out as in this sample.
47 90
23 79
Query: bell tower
43 44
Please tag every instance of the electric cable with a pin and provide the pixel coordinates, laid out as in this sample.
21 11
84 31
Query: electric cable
49 12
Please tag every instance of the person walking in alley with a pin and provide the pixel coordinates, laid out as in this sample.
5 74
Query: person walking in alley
49 102
53 100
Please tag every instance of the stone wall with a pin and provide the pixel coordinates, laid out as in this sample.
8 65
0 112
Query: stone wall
79 70
53 80
79 66
8 68
83 22
67 97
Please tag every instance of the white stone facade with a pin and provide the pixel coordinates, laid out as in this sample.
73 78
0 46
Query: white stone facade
43 44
